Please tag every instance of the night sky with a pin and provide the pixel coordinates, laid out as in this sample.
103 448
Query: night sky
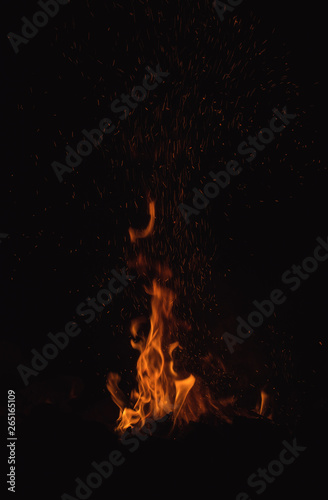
62 235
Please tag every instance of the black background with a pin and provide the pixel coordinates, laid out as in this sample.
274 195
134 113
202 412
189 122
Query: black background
64 238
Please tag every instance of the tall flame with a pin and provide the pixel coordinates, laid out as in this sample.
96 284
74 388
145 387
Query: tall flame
161 390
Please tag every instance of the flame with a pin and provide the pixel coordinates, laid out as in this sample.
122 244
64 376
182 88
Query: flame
161 390
136 234
263 408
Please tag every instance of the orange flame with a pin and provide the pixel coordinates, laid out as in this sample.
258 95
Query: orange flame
136 234
263 408
161 390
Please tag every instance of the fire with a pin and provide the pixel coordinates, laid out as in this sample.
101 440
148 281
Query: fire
136 234
263 408
160 388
